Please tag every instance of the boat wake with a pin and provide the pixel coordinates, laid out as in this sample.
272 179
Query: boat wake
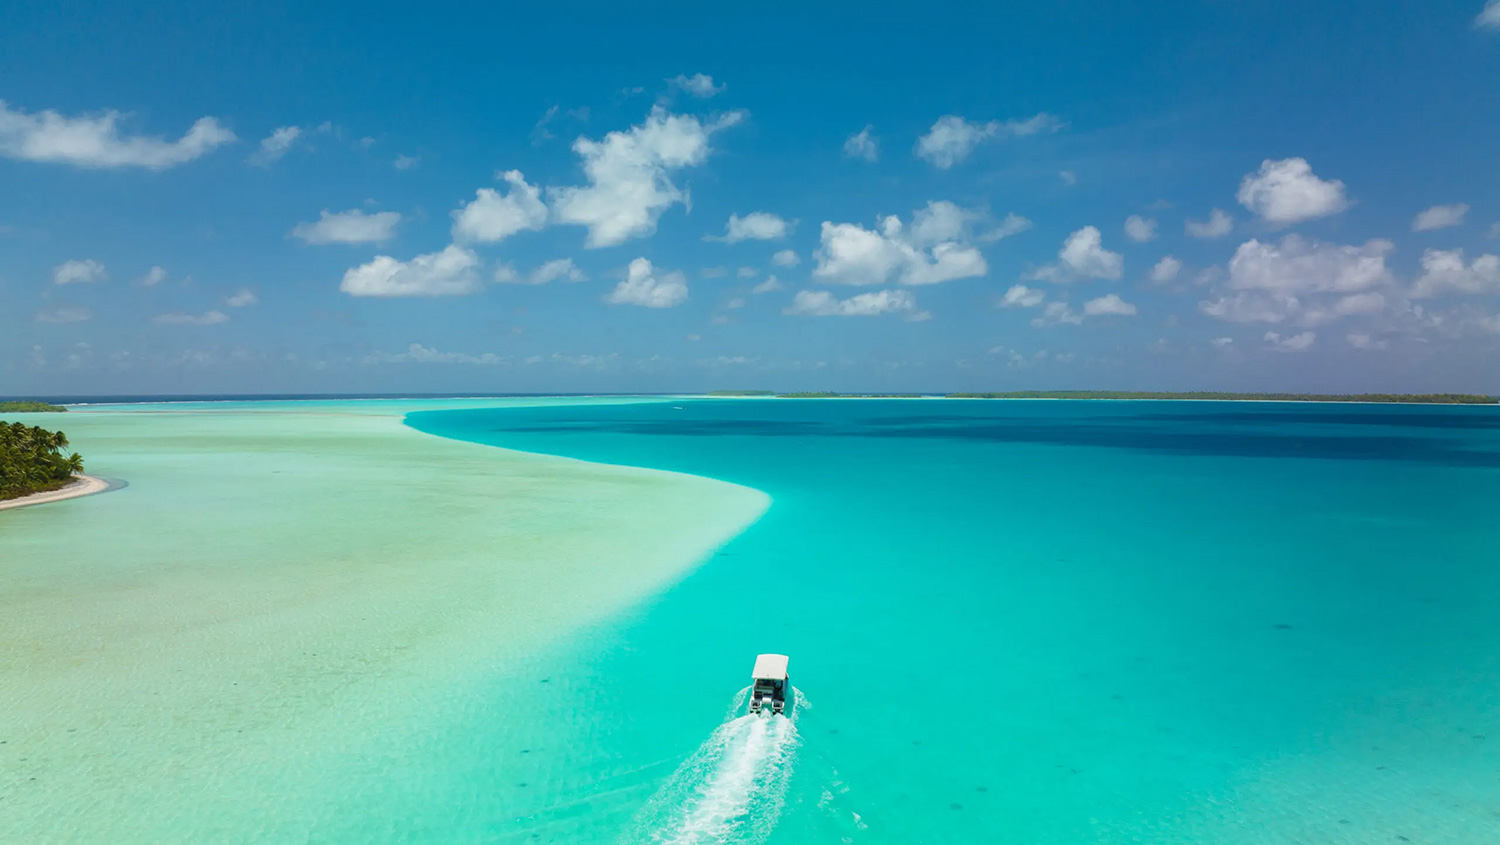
731 790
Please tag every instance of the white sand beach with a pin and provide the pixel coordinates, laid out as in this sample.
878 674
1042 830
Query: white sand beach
195 654
83 485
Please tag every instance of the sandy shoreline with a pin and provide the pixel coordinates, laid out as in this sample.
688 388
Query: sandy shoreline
83 485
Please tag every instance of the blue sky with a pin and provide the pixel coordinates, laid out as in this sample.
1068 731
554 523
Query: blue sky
1225 194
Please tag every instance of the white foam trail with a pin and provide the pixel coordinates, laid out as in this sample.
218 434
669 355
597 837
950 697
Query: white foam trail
730 791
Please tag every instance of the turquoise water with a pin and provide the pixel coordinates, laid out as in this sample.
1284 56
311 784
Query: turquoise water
1021 622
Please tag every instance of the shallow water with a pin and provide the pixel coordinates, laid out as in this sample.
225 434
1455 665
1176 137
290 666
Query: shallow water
1050 622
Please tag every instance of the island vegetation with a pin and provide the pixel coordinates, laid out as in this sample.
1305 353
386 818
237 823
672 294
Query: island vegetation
32 460
28 406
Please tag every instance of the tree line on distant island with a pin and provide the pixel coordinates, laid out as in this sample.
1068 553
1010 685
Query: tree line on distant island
1407 398
32 460
29 406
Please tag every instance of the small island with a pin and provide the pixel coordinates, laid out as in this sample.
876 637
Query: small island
1203 396
32 461
29 406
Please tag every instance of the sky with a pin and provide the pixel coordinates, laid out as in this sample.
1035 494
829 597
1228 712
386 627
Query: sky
590 197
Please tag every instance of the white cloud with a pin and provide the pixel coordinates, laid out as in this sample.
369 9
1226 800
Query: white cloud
178 318
492 217
1068 177
405 162
1364 340
1140 229
786 258
1218 224
1166 270
770 285
1294 343
1298 265
74 272
863 145
1108 305
642 287
932 250
1440 217
558 268
1444 271
747 272
699 85
1222 342
242 299
1489 17
628 172
153 277
1082 256
1020 296
275 145
1286 191
1013 224
951 138
755 226
96 142
65 314
821 303
1303 281
1494 231
1057 313
348 227
451 272
419 354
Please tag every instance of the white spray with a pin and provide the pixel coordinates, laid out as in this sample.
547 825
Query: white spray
731 790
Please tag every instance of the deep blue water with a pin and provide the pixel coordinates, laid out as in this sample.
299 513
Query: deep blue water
1050 622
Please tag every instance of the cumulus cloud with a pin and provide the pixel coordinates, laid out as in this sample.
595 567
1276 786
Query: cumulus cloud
1439 217
1140 229
1057 313
451 272
65 314
1013 224
952 138
1068 177
1082 256
419 354
492 217
1218 224
933 249
1166 270
95 141
1444 272
1020 296
1285 192
770 285
153 277
628 173
1489 17
405 162
86 271
863 145
243 298
1303 281
275 145
642 287
348 227
700 85
1108 305
558 268
821 303
1222 342
178 318
755 226
1294 343
786 258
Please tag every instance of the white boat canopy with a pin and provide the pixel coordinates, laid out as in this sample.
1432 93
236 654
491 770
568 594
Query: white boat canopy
770 667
